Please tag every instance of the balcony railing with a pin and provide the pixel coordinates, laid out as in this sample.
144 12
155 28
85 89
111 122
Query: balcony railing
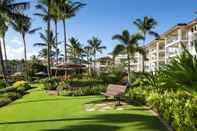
172 39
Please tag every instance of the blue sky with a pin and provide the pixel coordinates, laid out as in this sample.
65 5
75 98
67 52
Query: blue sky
104 18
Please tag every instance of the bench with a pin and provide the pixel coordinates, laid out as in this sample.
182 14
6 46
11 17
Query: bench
115 91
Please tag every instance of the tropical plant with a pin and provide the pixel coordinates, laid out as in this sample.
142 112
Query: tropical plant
96 47
66 10
88 54
44 44
181 72
54 15
128 45
45 7
145 27
75 49
23 26
10 11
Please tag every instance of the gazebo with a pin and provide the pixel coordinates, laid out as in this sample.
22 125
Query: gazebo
68 68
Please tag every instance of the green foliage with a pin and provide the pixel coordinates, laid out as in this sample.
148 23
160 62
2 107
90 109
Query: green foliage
50 84
113 77
19 84
177 107
85 91
4 101
181 72
2 84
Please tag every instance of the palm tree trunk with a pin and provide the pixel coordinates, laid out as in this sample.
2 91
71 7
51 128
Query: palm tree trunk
2 64
56 35
95 61
5 53
65 41
143 63
49 41
25 54
129 68
4 47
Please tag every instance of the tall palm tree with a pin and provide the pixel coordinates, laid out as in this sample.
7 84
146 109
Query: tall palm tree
55 16
45 6
145 26
11 10
2 64
128 45
95 45
67 10
23 26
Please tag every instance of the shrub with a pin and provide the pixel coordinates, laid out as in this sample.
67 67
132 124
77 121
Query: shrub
2 84
20 84
85 91
4 101
50 84
177 107
13 96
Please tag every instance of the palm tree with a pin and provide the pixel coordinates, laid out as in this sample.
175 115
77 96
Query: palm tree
129 44
3 28
67 9
95 45
2 64
45 6
88 53
10 11
23 27
44 44
116 52
75 48
145 26
55 16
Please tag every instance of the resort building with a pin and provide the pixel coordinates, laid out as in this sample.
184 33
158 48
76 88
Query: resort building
103 64
185 34
161 51
135 63
155 55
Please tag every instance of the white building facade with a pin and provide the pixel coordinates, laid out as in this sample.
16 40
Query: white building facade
161 51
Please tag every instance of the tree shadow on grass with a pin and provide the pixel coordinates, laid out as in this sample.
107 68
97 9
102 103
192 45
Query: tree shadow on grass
86 127
104 121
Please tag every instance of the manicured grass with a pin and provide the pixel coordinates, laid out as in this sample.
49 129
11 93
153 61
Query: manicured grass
38 111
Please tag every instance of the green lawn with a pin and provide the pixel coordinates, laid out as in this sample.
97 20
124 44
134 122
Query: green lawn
38 111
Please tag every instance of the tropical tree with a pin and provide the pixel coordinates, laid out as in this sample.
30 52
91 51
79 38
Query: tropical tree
67 9
44 44
45 7
145 26
88 54
116 52
2 64
75 48
23 26
55 16
128 45
10 10
96 47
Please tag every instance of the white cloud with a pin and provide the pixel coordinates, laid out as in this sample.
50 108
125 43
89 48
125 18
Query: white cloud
15 49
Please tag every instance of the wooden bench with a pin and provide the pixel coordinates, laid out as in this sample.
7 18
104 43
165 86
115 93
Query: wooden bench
115 91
